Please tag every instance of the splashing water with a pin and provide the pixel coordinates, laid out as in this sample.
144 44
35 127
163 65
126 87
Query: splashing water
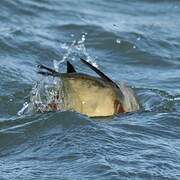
45 91
75 49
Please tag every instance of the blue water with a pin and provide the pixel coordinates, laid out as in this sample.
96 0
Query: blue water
137 42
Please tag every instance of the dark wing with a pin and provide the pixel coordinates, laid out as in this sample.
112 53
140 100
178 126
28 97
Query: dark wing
70 68
100 73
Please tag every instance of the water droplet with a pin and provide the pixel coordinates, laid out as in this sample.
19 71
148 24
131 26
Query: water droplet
134 47
22 110
139 38
118 41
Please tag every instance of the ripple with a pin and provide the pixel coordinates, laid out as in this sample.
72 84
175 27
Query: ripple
134 41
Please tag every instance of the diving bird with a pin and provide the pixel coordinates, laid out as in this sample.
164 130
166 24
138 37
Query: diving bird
90 95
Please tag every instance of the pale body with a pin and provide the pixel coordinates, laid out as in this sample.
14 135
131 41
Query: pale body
95 96
89 95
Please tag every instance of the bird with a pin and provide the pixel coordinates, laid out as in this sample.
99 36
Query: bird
94 96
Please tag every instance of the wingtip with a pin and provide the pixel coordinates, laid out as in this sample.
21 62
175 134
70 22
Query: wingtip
70 68
100 73
83 60
86 62
39 66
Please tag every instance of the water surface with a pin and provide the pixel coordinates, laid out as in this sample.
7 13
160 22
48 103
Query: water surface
135 42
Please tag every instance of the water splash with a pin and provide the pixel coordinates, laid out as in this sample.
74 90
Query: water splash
23 109
45 91
74 51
